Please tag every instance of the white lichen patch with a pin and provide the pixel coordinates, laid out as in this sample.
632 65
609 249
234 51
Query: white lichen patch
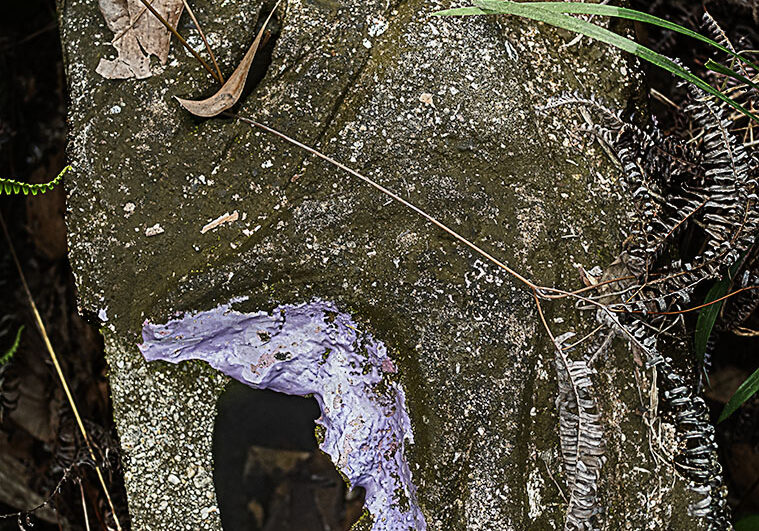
534 486
154 230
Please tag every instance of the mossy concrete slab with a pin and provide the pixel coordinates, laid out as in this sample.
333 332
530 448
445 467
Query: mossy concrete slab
443 112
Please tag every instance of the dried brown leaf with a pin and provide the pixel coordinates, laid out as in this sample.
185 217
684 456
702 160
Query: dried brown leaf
139 35
231 91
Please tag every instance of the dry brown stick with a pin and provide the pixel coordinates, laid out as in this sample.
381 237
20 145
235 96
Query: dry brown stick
58 369
205 41
176 34
393 196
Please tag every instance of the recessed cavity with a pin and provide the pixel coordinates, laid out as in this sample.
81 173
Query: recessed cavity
269 473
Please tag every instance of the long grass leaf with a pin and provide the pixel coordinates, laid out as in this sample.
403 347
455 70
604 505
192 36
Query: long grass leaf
578 8
727 71
746 390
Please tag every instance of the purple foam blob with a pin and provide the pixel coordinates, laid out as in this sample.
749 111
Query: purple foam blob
313 349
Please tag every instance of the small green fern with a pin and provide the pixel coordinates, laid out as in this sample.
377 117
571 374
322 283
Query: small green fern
6 356
10 186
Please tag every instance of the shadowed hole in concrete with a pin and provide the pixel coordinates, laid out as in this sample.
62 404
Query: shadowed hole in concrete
268 471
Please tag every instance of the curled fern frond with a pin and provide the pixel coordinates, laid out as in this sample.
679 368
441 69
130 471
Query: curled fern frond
696 453
11 186
674 185
582 440
715 31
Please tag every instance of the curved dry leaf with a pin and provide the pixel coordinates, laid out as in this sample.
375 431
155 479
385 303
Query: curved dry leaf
231 90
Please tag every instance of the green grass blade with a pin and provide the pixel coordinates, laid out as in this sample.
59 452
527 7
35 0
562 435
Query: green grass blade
578 8
708 316
609 37
459 12
727 71
744 392
14 347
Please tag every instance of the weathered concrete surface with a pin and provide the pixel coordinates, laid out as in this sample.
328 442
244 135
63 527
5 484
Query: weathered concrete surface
439 110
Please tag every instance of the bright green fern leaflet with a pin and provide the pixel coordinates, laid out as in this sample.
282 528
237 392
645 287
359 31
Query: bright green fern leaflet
10 186
6 356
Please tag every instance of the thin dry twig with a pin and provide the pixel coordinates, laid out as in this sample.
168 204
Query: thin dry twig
395 197
541 292
205 41
84 507
58 370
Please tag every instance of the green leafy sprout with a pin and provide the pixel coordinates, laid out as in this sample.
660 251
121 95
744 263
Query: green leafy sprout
11 186
557 14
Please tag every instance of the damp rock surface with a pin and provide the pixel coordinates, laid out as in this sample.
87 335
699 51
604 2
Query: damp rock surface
442 111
